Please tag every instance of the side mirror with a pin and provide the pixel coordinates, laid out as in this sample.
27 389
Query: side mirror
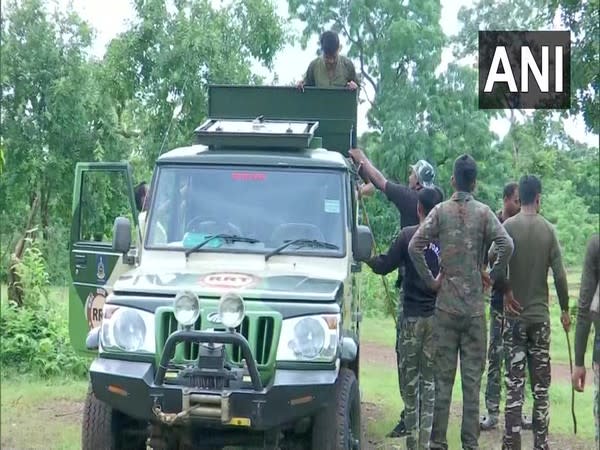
121 235
363 243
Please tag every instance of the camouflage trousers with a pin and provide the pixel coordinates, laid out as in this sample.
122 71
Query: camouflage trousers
458 337
531 343
596 367
399 320
495 362
497 359
416 374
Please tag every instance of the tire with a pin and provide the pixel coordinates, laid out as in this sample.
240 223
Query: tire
338 427
103 428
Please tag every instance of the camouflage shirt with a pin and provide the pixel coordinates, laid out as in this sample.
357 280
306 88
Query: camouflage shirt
465 229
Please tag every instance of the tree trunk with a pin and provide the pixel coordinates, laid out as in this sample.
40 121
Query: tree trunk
44 213
15 290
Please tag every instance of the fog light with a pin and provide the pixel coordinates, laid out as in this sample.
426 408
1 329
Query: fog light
186 308
232 310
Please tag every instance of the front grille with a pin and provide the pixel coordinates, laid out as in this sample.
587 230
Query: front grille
259 331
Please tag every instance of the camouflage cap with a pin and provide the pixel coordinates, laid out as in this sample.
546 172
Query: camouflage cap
425 173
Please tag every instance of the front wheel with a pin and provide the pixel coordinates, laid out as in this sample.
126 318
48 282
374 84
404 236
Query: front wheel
338 426
107 429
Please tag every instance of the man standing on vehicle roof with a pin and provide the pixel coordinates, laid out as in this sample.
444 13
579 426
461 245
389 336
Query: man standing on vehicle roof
416 335
405 198
330 69
527 313
464 228
588 312
496 355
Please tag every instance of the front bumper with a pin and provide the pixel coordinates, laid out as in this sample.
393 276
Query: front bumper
138 390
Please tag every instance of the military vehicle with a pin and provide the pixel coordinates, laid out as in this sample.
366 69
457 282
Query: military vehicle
226 313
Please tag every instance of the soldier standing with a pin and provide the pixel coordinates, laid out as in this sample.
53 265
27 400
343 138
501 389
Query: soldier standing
416 335
404 198
511 206
464 228
527 313
588 312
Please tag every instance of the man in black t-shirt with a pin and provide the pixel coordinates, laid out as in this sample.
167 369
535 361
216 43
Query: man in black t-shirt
405 199
415 335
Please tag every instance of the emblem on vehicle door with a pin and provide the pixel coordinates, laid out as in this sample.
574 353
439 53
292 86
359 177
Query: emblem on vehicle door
94 305
214 317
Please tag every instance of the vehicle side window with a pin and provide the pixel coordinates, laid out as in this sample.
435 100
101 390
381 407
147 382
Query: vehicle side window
103 199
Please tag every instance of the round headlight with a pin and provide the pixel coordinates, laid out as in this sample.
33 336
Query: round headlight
130 330
186 308
309 338
232 310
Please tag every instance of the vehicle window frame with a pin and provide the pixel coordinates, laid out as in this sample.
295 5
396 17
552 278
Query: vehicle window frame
316 252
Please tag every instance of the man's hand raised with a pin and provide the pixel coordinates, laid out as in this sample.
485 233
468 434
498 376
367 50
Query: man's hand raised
352 85
357 155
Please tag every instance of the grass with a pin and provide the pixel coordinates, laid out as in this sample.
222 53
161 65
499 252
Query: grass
381 330
46 414
379 386
41 414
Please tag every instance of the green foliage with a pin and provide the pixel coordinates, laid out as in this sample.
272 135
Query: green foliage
581 17
34 281
568 213
35 337
37 341
60 106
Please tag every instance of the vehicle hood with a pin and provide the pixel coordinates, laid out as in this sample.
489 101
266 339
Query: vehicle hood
214 283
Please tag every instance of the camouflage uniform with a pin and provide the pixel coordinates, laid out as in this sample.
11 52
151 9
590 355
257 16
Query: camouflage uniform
399 322
416 353
527 342
495 355
596 367
588 313
465 228
497 358
528 334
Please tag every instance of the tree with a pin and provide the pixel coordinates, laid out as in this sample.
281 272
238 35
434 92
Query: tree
582 17
47 98
158 71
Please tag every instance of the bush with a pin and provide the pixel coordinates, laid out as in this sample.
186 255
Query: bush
35 337
37 342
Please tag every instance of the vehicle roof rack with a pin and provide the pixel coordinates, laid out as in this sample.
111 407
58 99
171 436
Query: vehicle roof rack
259 132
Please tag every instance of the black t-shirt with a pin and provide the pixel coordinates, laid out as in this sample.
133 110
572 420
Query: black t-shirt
419 300
405 200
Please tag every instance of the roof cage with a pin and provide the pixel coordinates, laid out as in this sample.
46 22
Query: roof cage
256 133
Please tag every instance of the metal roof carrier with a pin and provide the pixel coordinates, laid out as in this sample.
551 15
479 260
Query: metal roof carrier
256 133
334 108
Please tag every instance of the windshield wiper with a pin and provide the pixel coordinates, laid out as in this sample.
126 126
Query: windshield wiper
228 238
302 243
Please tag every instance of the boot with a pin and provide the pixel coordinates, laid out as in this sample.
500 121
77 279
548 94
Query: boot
400 428
488 422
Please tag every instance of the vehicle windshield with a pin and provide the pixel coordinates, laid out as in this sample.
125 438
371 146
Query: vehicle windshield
266 206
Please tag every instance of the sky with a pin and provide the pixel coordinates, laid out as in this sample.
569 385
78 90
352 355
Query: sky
110 17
